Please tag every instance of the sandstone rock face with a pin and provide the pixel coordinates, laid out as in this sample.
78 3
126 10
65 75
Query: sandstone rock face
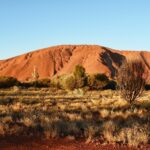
59 60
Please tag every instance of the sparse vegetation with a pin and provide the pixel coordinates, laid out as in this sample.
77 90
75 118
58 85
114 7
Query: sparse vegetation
94 115
78 106
131 79
111 85
80 76
55 82
6 82
70 83
78 79
97 81
35 74
41 83
147 87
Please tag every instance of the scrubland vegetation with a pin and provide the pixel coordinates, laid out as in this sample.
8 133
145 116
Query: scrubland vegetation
92 115
75 106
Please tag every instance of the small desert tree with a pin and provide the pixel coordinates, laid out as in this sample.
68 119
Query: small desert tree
131 79
80 76
97 81
69 83
35 75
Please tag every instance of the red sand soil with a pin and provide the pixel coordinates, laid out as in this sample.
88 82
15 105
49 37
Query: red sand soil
62 60
58 144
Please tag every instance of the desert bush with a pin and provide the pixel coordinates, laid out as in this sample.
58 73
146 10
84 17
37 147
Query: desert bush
91 132
80 76
69 83
79 71
26 84
38 83
6 82
97 81
44 82
55 82
77 80
147 87
16 88
41 83
16 115
79 92
131 80
6 101
111 85
145 105
30 101
133 135
59 81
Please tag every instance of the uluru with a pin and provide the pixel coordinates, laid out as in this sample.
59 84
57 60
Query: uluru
62 59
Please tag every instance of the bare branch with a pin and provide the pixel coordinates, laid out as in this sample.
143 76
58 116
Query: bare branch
131 79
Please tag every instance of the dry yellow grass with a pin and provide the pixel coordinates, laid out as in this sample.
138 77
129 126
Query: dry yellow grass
90 115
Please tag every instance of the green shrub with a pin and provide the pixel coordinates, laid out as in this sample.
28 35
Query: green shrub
55 82
80 76
97 81
67 82
79 71
70 83
6 82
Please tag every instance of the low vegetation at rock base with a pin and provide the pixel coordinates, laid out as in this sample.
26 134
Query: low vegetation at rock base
78 79
6 82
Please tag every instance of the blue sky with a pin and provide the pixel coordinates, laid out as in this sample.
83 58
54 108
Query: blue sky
26 25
